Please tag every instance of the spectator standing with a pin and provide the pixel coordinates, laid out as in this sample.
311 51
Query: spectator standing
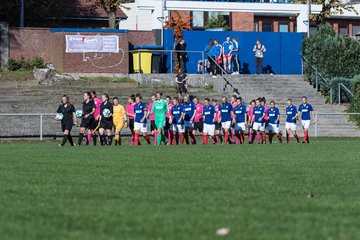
215 53
259 50
181 79
235 56
181 54
227 48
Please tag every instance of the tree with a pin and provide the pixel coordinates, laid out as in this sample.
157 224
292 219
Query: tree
110 7
217 22
328 7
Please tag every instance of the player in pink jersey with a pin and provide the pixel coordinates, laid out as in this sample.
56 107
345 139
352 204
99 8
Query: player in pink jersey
152 119
217 124
251 120
94 126
198 119
266 118
130 113
167 128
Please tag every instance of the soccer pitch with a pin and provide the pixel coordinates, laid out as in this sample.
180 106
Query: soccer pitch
295 191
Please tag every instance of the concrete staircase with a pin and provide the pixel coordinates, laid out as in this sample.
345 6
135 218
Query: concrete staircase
29 97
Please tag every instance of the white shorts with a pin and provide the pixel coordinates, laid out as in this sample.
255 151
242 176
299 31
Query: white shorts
259 126
189 124
305 124
226 125
291 126
240 126
142 127
180 128
274 127
209 129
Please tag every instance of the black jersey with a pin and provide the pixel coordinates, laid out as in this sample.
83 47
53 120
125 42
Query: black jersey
88 107
103 106
66 111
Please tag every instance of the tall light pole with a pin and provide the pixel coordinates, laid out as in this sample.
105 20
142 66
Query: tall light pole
22 10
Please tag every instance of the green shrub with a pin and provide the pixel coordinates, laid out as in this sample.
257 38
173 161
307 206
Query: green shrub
209 88
355 103
23 64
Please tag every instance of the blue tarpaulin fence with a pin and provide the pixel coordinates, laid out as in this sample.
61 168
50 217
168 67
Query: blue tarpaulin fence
282 55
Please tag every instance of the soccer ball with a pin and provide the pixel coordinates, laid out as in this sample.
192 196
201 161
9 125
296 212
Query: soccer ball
79 113
231 47
106 112
59 116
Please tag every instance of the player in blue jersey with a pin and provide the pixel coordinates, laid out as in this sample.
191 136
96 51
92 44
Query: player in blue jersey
225 117
291 117
227 48
274 122
189 109
209 122
177 122
140 123
239 119
259 122
306 112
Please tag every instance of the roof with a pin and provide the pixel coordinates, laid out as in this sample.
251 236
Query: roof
86 9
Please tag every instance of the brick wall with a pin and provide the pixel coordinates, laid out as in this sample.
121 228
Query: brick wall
30 43
141 37
242 21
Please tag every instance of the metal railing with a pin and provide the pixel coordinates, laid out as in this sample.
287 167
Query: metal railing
320 124
40 115
317 120
342 86
319 77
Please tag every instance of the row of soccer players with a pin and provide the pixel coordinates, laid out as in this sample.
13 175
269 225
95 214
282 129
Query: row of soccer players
178 120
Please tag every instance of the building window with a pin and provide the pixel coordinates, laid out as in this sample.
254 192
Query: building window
283 27
267 27
355 29
197 19
343 30
226 16
256 26
313 30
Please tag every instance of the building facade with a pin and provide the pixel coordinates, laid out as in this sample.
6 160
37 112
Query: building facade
241 15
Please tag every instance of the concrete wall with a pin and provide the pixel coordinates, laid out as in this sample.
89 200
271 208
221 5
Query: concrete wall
4 44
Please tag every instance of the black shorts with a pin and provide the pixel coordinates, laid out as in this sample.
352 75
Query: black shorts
167 124
67 125
131 124
93 125
106 124
218 126
199 126
152 126
87 122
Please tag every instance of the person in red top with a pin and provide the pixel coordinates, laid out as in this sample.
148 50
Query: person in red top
130 113
198 119
216 118
152 119
167 128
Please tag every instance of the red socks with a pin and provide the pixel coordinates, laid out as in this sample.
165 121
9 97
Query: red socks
182 138
287 137
147 138
297 138
136 139
205 139
279 137
263 138
226 137
305 136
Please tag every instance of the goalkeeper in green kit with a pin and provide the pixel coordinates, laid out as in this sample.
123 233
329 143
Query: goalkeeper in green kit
160 107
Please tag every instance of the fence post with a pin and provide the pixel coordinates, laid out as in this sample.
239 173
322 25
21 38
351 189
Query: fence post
203 62
316 81
331 96
171 61
316 125
139 61
41 127
339 92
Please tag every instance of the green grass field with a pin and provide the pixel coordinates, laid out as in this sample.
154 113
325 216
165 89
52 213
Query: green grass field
184 192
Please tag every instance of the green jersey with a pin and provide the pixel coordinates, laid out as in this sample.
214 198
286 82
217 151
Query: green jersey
160 108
